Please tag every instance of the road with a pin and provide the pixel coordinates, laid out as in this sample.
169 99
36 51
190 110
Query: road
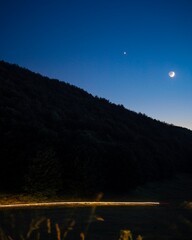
77 204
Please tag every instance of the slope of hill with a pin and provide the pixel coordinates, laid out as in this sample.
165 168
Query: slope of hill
55 137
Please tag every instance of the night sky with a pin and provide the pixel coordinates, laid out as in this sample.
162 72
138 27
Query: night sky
121 50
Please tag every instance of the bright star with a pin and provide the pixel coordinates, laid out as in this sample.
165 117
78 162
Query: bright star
172 74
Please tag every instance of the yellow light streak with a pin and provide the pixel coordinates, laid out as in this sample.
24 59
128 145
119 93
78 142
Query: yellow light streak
79 204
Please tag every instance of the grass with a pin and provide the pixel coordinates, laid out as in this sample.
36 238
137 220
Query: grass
42 226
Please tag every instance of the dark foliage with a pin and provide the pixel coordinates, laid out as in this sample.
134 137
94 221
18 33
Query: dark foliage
57 138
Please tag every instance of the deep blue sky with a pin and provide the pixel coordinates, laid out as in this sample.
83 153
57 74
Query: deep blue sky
82 42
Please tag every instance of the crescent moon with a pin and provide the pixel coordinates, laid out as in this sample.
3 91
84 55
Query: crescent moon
172 74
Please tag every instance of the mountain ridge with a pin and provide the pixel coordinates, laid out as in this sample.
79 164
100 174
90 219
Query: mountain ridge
52 125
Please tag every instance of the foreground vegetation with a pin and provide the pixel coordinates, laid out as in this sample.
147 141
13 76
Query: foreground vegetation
42 228
58 139
101 223
170 221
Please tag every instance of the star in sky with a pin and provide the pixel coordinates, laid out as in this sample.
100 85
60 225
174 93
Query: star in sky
171 74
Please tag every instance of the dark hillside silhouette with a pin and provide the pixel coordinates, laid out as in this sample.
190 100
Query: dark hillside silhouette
57 138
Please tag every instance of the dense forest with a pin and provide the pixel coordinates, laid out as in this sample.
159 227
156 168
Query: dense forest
56 138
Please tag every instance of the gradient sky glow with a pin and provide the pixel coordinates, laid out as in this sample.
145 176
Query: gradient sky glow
83 42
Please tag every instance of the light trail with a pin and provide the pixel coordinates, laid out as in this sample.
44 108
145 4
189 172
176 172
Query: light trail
79 204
